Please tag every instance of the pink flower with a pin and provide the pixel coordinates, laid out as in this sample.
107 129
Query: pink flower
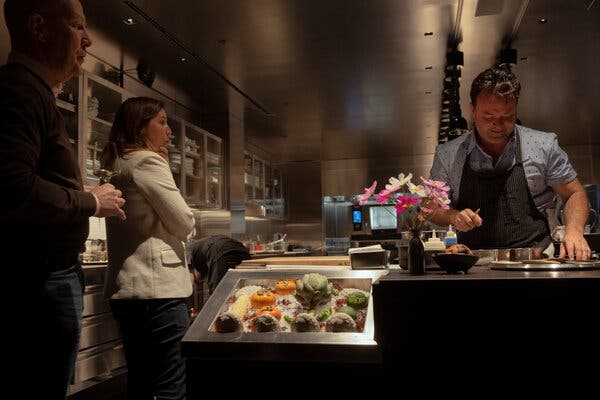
384 195
440 185
400 207
368 193
409 201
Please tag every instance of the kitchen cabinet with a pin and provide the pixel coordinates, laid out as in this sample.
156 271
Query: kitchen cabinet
196 161
67 103
100 100
175 148
214 170
262 183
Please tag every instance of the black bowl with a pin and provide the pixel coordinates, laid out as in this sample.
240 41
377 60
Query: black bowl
453 263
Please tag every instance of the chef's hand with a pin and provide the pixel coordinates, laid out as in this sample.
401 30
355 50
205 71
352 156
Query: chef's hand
195 276
163 152
575 246
466 220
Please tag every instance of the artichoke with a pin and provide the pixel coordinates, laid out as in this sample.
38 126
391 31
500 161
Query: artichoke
357 300
313 289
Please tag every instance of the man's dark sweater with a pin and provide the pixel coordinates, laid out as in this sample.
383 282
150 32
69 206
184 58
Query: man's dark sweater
43 208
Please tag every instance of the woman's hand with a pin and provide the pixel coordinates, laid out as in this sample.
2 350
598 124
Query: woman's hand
164 153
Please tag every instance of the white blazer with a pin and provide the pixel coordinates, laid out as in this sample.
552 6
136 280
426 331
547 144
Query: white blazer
146 258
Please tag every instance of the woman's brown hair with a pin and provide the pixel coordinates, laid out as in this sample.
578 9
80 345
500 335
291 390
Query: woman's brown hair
131 118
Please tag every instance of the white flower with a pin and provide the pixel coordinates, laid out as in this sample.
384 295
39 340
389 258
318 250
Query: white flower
396 183
418 190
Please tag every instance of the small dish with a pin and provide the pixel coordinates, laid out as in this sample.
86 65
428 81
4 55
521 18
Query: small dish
453 263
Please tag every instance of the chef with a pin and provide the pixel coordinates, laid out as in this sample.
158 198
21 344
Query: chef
509 174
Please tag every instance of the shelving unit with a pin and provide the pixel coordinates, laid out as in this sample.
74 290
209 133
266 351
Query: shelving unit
100 101
67 106
262 183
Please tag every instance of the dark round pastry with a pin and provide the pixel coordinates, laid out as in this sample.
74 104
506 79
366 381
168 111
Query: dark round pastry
265 323
305 322
228 322
340 322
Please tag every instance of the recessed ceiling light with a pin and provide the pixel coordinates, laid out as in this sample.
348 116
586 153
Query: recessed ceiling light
129 21
542 20
182 59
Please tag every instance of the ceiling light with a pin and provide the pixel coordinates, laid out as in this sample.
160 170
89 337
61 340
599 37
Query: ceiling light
182 59
542 20
129 21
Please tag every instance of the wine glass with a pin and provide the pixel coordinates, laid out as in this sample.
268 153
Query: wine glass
102 173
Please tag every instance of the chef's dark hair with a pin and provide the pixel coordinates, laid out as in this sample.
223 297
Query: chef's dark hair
498 81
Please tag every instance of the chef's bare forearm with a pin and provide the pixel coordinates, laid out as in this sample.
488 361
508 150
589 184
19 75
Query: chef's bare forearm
576 212
441 217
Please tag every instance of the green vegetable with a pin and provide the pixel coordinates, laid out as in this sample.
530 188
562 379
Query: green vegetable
334 291
288 318
324 314
347 310
357 300
313 289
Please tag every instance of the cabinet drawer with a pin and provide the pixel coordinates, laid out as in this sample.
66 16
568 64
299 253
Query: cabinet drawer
99 360
98 329
94 301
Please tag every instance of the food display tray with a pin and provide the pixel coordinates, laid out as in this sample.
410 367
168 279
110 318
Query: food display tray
203 341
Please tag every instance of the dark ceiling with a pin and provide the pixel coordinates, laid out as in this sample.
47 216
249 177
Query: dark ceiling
330 80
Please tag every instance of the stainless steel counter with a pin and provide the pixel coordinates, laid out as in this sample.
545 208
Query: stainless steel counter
355 347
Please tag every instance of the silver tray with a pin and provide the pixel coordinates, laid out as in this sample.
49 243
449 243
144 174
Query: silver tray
545 266
202 341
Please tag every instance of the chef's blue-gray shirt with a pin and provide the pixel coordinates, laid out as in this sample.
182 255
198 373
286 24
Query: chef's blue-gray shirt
544 162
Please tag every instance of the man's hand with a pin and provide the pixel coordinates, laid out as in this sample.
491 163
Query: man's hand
575 246
110 201
466 220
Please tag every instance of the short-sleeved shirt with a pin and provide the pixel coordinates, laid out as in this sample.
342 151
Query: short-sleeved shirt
544 162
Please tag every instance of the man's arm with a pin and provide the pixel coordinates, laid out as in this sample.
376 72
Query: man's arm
463 220
576 208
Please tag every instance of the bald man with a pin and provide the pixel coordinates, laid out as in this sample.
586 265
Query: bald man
44 210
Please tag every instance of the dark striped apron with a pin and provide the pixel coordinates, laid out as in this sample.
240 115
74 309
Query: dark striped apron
510 217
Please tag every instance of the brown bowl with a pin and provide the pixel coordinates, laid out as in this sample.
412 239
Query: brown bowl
453 263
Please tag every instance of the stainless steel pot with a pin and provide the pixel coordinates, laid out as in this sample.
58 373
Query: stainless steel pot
516 254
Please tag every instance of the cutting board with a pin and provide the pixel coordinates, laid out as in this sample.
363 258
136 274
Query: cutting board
305 260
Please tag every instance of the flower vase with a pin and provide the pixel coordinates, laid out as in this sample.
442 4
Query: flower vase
416 254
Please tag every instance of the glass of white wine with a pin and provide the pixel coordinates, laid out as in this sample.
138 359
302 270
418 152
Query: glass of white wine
103 174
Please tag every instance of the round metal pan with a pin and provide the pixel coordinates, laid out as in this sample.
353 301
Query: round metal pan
541 266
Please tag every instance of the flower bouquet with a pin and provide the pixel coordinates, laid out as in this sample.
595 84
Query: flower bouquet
411 200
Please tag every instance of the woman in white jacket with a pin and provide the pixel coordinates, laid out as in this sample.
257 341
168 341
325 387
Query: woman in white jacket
147 279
